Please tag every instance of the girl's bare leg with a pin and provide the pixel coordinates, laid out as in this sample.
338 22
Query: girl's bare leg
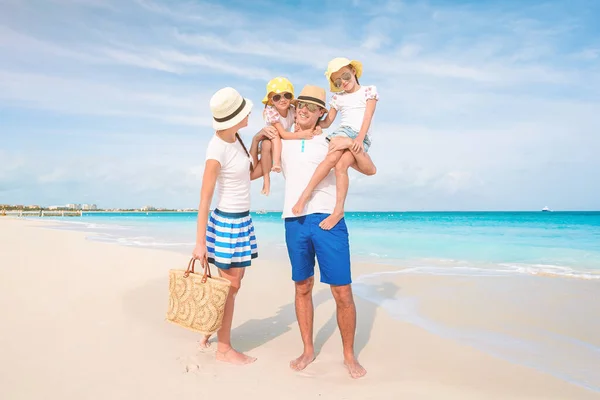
225 352
341 190
364 164
320 173
266 160
276 144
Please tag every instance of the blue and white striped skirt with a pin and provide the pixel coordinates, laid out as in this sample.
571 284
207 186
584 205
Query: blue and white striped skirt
230 239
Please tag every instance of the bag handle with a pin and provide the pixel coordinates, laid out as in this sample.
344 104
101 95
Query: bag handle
190 269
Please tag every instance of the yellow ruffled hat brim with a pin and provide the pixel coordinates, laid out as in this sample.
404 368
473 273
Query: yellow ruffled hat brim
278 85
338 63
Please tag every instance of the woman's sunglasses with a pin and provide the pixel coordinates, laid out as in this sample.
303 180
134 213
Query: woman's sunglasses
311 107
277 97
345 76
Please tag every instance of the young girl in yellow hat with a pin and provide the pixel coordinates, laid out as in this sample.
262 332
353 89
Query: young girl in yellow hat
349 143
280 113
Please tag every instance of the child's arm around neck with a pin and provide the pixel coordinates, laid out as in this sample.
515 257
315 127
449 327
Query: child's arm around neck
328 120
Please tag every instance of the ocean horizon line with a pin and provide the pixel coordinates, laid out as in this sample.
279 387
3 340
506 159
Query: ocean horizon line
349 211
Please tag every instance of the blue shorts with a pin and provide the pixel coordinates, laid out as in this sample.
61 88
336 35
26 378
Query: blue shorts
305 239
346 131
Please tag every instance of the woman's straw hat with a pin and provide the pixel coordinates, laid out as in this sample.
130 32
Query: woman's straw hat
228 108
314 95
338 63
278 85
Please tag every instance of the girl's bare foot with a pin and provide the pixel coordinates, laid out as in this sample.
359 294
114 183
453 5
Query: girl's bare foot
299 206
234 357
302 362
204 342
266 188
355 369
331 221
276 168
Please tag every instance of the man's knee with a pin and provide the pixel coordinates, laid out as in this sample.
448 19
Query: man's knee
304 288
343 296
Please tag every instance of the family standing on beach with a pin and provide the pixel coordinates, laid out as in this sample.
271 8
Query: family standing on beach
315 167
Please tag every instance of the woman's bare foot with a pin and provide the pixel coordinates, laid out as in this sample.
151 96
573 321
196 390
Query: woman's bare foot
234 357
354 368
331 221
299 206
266 187
276 168
204 342
302 362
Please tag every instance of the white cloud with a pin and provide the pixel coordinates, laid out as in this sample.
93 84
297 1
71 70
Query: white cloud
468 115
79 97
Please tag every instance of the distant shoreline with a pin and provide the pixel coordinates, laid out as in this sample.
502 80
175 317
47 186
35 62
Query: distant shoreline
32 211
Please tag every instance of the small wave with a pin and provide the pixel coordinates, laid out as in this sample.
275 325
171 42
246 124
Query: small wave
89 225
551 271
462 268
139 241
377 255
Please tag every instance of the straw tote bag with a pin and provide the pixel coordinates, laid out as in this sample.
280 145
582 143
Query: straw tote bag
197 301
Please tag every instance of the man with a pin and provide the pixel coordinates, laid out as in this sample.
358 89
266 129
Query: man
305 240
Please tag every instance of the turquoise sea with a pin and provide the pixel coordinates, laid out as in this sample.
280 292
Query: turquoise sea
555 243
499 253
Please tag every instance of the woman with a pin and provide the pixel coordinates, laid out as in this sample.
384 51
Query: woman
226 237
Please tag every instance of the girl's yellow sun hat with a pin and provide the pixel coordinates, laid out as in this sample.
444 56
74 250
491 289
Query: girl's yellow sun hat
338 63
278 85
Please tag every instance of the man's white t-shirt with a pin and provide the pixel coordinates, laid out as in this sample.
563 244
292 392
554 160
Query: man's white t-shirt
233 182
299 160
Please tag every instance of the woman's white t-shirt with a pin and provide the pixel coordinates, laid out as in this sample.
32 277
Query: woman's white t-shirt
233 182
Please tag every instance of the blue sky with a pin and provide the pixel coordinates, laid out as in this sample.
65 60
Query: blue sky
485 105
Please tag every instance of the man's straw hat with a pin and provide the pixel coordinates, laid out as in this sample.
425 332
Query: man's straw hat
314 95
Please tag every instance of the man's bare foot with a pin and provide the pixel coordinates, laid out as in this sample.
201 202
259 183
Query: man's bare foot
234 357
204 342
266 188
276 168
331 221
299 206
355 369
302 362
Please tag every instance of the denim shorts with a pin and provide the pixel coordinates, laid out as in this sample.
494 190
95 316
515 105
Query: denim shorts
305 239
346 131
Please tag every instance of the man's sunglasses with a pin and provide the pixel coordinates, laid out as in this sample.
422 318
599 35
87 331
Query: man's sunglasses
345 76
277 97
311 107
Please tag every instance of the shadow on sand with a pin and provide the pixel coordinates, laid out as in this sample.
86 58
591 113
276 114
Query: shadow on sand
365 315
148 304
257 332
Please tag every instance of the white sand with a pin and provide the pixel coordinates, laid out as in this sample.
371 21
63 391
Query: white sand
85 320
